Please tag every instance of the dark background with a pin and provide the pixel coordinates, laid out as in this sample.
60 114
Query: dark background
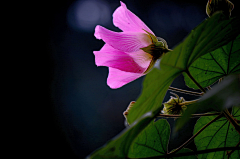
67 108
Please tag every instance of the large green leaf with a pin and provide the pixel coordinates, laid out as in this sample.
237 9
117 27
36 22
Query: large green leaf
208 36
222 96
212 66
217 135
152 141
118 147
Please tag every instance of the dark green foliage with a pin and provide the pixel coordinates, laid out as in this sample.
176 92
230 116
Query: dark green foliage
215 65
219 134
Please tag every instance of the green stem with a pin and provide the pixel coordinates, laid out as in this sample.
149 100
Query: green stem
192 138
191 77
188 102
185 91
193 153
193 115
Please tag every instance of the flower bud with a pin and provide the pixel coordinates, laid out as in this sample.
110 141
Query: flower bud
173 106
219 5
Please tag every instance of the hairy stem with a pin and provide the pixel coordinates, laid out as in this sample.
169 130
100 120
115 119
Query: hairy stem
192 138
194 153
191 77
188 102
185 91
193 115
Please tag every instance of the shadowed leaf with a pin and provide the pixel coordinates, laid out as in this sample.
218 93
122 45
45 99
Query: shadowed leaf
219 63
152 141
219 134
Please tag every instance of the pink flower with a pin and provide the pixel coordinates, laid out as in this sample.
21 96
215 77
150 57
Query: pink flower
128 54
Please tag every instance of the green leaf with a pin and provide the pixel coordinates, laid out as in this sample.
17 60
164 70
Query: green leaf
217 135
118 147
236 112
222 96
212 66
152 141
185 150
211 34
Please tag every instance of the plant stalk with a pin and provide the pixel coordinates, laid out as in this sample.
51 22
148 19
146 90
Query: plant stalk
193 115
185 91
193 153
188 102
192 138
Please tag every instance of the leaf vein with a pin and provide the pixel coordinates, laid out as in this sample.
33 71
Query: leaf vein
207 70
218 63
234 68
215 134
160 138
149 147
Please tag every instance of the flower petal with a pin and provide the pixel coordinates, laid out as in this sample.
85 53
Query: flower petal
142 58
125 20
124 41
108 56
118 78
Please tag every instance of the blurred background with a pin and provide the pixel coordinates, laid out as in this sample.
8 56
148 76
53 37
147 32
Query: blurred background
73 111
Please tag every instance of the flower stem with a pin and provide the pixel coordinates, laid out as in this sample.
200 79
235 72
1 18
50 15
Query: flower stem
192 138
185 91
193 153
188 102
193 115
191 77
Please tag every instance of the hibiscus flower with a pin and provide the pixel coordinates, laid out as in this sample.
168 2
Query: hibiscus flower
129 54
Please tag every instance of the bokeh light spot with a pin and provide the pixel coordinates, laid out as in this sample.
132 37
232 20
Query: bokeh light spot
85 15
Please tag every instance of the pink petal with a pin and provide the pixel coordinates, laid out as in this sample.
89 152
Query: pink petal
142 58
125 20
124 41
118 78
110 57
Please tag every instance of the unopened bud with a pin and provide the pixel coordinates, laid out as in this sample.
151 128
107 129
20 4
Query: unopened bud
174 106
225 6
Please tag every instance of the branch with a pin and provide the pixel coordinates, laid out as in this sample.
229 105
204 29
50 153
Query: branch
194 153
193 115
192 138
185 91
